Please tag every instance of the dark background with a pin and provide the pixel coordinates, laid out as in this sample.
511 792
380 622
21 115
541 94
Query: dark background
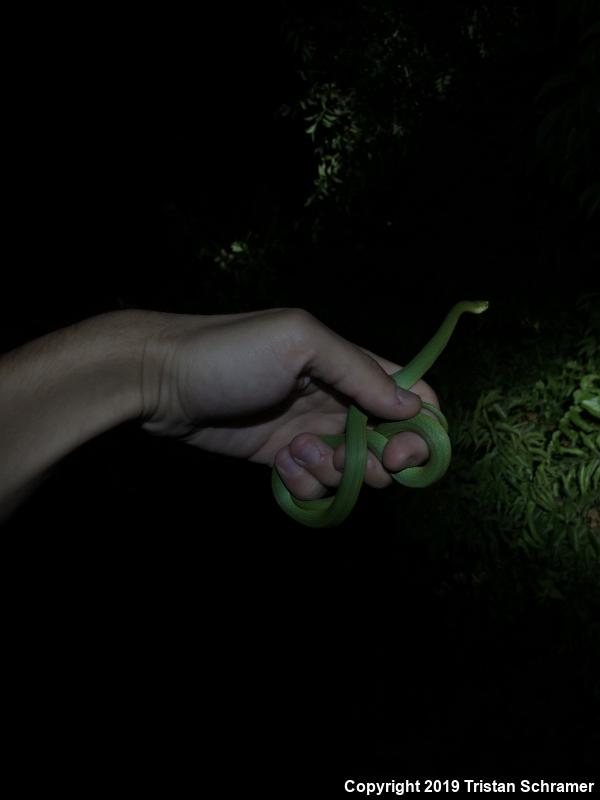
166 616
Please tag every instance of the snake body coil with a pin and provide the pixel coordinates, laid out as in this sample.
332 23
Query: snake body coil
330 511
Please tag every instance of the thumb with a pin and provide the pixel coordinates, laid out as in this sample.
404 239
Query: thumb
354 373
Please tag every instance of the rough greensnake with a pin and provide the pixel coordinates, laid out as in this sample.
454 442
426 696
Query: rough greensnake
330 511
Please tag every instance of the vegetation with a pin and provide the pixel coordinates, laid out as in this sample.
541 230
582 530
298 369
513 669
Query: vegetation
374 161
377 76
523 494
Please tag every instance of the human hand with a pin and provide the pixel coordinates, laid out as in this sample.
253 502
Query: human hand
264 385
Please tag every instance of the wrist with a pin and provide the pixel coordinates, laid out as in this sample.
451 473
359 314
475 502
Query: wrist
144 364
164 336
128 354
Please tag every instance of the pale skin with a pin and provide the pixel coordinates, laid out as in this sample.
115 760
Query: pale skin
259 386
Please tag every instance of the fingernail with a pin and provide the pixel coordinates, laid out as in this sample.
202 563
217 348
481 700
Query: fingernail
404 396
288 466
308 455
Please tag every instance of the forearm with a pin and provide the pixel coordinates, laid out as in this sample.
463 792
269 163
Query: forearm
62 390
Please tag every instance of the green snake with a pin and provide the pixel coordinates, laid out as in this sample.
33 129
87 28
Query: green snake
330 511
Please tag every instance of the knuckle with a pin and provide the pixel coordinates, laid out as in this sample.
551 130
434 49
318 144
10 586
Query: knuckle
313 493
303 440
299 319
376 475
281 460
339 457
298 334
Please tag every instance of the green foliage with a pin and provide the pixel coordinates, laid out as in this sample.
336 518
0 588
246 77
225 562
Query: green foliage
244 271
524 488
459 119
376 72
331 115
372 75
